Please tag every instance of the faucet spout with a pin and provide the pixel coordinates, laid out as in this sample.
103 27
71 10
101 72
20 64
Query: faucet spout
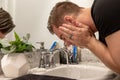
54 58
71 56
66 54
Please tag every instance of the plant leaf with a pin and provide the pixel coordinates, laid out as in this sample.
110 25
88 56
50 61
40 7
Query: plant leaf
17 38
18 45
26 38
8 50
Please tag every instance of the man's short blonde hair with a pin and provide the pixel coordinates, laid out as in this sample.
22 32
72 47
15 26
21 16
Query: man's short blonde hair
59 11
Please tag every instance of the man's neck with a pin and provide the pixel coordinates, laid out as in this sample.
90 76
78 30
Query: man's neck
92 24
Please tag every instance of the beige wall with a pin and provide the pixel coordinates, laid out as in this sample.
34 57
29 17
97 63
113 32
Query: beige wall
31 16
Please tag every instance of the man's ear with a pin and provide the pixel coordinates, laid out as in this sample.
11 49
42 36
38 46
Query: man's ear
54 27
68 19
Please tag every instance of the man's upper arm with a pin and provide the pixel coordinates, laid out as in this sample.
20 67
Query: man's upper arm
113 43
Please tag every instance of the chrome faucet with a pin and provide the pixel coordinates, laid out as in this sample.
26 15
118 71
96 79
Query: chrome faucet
49 59
70 57
55 58
64 56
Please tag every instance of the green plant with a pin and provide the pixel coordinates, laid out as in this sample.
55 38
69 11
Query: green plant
1 46
18 45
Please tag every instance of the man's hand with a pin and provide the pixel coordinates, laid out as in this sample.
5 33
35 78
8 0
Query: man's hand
78 34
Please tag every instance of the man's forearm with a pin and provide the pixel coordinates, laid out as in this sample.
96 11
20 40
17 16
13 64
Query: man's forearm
102 52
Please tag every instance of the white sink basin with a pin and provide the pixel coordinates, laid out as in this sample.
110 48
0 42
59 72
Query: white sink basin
79 72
